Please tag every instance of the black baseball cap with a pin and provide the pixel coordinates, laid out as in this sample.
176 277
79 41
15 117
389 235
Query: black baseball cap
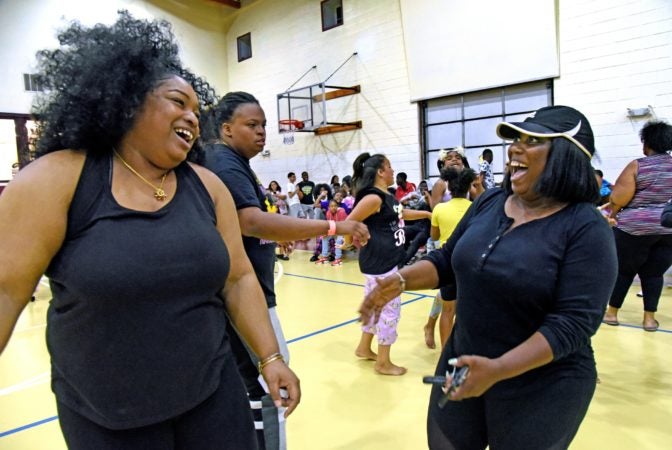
551 122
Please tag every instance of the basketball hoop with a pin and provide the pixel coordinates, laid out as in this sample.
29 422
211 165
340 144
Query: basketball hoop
287 127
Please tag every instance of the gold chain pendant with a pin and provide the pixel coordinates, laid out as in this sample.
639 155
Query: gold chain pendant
160 194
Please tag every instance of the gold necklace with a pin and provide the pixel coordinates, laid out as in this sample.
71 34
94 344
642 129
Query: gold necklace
159 193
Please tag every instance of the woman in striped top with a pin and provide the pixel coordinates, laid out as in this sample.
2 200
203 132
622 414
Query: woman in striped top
637 200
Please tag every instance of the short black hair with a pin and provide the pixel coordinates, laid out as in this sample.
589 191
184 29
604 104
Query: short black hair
657 135
291 174
567 176
98 79
459 181
223 112
487 151
402 175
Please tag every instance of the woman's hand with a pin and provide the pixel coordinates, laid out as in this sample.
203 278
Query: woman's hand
483 373
386 289
279 376
286 247
358 231
605 210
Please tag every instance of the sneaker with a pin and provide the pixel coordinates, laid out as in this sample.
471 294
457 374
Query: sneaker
331 257
337 262
282 257
321 260
313 258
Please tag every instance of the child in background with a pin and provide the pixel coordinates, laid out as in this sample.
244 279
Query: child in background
336 214
445 218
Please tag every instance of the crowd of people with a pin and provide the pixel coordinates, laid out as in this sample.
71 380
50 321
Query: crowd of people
181 345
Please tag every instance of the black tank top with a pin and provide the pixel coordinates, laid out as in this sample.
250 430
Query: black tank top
136 330
385 249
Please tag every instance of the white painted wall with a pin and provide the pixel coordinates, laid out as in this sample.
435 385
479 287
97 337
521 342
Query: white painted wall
287 40
614 55
469 45
27 26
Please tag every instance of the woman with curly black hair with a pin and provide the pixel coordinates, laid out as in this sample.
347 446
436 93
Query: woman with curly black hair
144 257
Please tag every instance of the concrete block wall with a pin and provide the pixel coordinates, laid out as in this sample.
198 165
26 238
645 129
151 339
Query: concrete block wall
287 40
615 55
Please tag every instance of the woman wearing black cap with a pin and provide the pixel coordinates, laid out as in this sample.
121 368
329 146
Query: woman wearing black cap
529 298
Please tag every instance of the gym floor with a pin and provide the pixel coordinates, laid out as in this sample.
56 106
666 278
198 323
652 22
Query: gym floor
345 404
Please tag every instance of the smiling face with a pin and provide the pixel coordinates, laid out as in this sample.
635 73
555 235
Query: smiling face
166 125
453 159
245 132
527 160
274 186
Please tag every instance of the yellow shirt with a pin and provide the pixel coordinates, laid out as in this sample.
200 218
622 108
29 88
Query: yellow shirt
447 215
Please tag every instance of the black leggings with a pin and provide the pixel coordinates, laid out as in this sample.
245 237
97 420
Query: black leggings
648 256
544 419
222 421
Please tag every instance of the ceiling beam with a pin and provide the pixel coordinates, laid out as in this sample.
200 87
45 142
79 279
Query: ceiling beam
231 3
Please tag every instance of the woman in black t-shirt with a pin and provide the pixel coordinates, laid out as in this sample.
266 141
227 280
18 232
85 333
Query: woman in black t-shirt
383 215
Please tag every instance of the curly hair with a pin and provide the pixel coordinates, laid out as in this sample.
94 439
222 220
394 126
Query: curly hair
98 80
657 135
221 113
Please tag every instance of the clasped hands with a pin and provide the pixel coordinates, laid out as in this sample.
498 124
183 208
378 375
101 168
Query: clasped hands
358 231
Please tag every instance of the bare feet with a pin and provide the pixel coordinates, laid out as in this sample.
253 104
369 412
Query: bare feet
429 336
366 354
389 369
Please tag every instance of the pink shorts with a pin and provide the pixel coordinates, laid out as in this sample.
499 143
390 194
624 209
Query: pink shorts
386 327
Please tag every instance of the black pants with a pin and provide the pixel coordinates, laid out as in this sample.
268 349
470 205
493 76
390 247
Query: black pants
222 421
417 233
648 256
544 419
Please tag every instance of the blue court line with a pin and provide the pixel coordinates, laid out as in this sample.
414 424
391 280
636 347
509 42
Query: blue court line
30 425
348 322
300 338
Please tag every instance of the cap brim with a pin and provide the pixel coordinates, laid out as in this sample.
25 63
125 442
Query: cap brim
511 130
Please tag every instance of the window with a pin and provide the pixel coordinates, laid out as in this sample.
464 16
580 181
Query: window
31 82
332 14
470 120
244 47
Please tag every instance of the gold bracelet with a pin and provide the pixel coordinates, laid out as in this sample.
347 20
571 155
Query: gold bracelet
269 359
402 281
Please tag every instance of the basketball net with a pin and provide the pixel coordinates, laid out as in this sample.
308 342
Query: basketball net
287 127
288 135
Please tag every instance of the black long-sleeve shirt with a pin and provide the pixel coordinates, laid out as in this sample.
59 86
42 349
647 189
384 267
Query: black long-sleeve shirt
553 275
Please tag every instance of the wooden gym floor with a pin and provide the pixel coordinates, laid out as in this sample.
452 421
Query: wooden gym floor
345 404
